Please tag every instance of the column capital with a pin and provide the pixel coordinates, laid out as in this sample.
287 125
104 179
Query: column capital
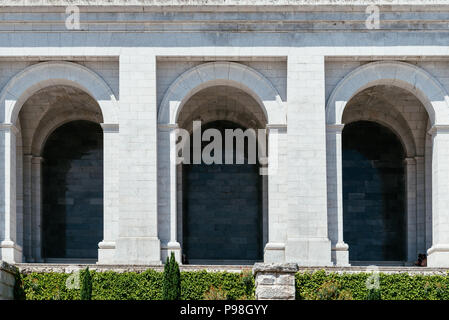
37 160
9 127
273 126
439 129
334 127
419 158
410 161
167 126
110 127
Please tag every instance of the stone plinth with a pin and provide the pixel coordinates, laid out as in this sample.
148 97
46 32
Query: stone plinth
275 281
7 279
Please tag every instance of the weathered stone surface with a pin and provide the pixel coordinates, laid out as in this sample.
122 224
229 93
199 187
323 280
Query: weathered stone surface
275 281
285 292
275 267
69 268
7 280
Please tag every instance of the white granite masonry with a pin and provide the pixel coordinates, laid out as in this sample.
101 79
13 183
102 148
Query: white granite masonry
302 70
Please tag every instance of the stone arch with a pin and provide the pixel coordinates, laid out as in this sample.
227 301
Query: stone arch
423 85
222 73
44 130
41 75
393 120
241 109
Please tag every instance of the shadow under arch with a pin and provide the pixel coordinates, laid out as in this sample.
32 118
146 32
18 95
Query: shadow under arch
222 208
374 193
72 191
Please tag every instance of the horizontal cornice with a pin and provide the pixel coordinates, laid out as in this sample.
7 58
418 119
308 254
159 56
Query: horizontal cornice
103 19
313 4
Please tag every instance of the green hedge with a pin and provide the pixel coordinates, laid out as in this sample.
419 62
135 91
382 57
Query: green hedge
392 286
127 286
148 286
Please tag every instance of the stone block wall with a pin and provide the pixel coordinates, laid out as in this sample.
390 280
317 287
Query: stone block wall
373 193
7 279
73 198
275 281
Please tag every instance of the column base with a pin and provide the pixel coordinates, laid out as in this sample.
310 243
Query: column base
340 254
438 256
274 252
170 247
10 251
106 252
309 251
138 250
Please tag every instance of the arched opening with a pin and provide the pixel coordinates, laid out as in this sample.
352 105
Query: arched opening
37 100
72 191
221 207
410 102
374 194
62 163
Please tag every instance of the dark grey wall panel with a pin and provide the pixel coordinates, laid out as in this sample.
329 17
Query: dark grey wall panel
222 210
73 191
374 210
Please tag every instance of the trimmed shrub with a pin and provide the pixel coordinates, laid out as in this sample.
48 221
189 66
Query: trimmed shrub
171 287
247 279
329 290
195 284
111 285
215 294
400 286
45 286
86 285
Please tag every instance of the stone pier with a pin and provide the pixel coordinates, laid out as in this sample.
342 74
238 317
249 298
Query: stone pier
7 279
275 281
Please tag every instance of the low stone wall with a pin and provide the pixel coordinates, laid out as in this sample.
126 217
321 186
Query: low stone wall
68 268
381 269
7 279
275 281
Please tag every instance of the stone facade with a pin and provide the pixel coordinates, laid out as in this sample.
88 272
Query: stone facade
302 71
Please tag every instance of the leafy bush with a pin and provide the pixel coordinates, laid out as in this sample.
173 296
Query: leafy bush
195 284
147 285
215 294
44 286
374 294
400 286
111 285
247 279
330 290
